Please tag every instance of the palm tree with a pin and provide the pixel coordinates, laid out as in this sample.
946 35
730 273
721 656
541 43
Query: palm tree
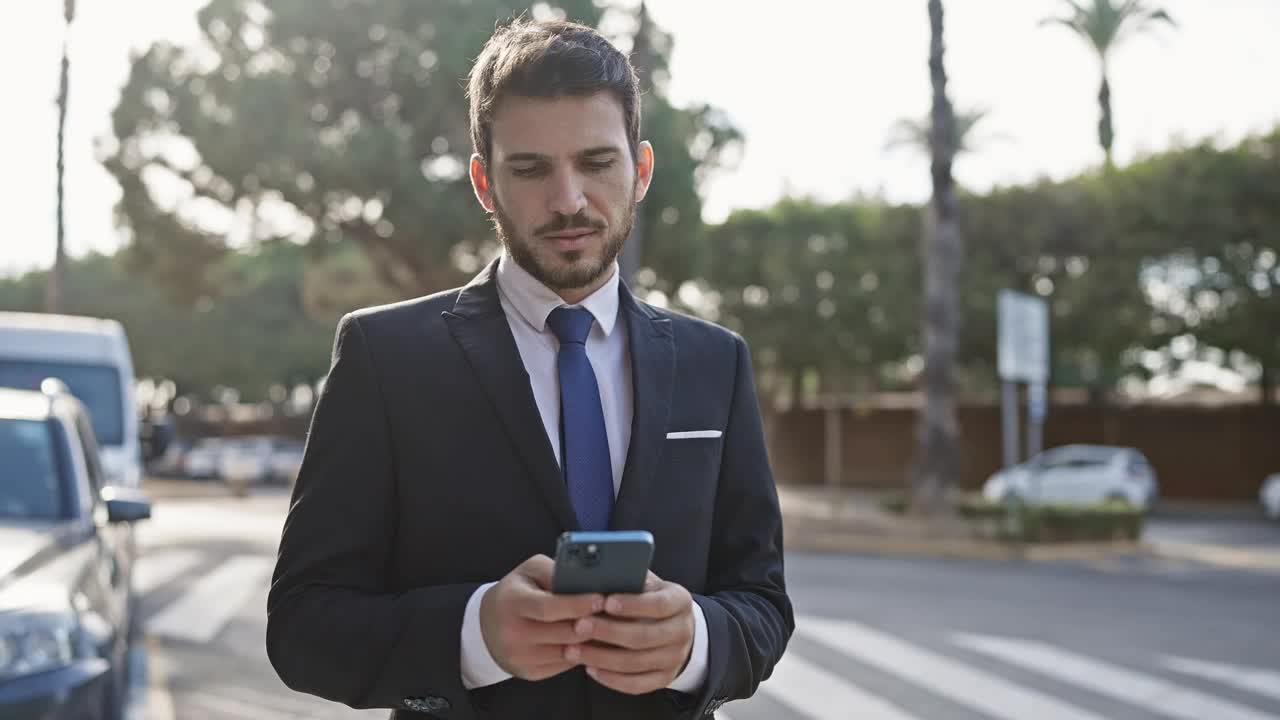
937 464
1104 25
642 59
916 134
57 278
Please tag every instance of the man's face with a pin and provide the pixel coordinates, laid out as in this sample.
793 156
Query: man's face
562 185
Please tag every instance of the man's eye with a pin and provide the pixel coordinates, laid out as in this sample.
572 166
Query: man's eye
599 165
526 171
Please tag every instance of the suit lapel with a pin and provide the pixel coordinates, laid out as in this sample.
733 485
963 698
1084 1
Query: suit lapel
480 328
653 359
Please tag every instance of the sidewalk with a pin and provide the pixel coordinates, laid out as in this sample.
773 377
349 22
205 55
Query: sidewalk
819 519
851 521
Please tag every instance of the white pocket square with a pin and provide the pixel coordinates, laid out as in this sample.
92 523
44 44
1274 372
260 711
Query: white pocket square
694 434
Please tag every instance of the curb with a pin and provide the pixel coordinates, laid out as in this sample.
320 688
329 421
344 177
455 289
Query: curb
822 535
1220 556
150 694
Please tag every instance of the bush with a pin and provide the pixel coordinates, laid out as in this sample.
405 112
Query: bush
1040 523
1054 522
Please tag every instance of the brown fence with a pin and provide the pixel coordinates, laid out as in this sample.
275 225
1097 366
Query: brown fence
1207 453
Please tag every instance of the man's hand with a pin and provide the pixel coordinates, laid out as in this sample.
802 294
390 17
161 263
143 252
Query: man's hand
642 643
527 628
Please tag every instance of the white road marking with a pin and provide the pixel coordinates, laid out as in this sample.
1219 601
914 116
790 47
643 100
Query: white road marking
952 679
820 694
213 600
1256 680
1148 692
157 568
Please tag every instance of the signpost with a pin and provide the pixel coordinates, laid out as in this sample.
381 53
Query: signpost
1022 355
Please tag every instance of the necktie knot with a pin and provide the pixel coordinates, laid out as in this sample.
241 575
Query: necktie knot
571 325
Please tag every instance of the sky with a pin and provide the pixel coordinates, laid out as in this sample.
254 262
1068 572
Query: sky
816 89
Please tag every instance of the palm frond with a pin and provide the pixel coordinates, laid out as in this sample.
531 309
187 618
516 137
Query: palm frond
915 134
1104 23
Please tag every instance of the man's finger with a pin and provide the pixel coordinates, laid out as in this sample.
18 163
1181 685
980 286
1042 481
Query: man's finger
539 655
539 569
630 683
533 604
652 582
547 670
663 602
562 632
640 634
621 660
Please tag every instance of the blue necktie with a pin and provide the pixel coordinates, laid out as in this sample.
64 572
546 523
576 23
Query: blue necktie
585 454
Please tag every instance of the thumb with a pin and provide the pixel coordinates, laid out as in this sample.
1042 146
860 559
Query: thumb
538 569
652 582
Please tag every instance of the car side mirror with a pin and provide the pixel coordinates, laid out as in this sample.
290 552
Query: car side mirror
125 505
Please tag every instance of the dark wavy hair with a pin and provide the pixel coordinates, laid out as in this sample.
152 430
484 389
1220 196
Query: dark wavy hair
548 60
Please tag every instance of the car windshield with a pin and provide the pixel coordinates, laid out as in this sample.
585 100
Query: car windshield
29 478
97 386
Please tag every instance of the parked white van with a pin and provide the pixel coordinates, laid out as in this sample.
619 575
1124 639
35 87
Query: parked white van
91 356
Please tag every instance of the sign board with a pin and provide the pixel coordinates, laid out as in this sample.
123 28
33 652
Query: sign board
1022 323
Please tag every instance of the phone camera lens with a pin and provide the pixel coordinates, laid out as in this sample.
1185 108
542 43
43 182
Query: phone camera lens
592 556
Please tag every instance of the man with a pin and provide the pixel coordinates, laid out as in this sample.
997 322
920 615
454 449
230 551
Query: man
459 434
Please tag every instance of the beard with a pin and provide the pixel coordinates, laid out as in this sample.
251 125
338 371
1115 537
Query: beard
567 270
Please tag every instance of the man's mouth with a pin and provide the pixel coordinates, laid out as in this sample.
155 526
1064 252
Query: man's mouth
570 234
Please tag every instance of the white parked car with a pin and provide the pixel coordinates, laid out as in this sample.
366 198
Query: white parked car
1078 474
246 459
251 459
286 460
201 461
1270 496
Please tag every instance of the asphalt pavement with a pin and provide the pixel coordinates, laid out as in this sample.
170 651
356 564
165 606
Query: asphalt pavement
877 638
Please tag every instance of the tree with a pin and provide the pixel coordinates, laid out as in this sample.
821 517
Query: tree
917 134
58 278
1104 25
691 144
332 122
256 334
937 464
822 291
1209 217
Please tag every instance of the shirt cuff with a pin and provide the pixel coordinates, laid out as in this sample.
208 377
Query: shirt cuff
695 673
478 666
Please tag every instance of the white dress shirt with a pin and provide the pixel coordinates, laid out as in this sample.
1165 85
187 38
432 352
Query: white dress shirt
527 303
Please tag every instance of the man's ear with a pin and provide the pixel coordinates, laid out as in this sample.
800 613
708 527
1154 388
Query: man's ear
480 183
644 169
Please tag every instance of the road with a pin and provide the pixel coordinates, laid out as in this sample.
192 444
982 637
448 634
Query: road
877 638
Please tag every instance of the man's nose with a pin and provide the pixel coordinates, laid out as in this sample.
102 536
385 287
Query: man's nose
566 196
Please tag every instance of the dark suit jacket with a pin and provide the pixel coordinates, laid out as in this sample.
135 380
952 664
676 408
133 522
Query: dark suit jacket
428 472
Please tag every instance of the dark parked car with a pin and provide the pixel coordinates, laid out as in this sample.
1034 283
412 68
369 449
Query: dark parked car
66 559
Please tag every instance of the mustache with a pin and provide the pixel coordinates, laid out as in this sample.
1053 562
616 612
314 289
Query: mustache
561 222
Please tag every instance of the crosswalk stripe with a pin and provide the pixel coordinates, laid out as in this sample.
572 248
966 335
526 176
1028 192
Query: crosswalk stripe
1252 679
1148 692
212 601
949 678
817 693
235 708
156 569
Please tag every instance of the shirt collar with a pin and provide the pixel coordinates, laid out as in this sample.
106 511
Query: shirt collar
534 301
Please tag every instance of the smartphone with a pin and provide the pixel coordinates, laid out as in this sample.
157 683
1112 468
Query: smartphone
616 561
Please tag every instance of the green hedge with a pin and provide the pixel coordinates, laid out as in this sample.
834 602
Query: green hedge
1041 523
